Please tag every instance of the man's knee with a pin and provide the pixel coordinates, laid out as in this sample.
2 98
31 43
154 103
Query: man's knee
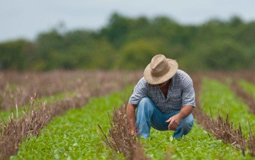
144 101
145 104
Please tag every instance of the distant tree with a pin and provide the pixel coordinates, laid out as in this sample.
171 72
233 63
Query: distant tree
49 41
166 28
235 21
246 34
137 54
225 55
139 28
16 54
117 29
79 37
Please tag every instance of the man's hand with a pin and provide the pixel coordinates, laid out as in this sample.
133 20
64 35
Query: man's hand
133 133
174 122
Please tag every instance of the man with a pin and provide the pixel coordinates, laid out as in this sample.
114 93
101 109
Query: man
164 99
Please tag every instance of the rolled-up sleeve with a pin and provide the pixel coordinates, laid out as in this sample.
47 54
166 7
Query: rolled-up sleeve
139 92
188 94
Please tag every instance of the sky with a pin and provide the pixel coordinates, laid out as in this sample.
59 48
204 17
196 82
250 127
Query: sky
27 18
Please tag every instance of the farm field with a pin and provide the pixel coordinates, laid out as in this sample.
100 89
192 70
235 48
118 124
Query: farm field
81 115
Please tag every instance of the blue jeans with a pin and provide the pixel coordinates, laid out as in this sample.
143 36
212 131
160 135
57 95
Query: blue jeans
149 115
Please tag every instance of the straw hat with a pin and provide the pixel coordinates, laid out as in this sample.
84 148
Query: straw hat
160 69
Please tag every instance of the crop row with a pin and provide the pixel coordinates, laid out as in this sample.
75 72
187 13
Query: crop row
34 120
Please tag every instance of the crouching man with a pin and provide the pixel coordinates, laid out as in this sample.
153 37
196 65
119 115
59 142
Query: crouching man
164 98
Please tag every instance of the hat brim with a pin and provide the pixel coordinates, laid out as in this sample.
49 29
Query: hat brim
158 80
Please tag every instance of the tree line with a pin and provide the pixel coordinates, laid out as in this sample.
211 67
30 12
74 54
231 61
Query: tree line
130 43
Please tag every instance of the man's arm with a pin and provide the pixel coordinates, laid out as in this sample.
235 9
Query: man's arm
185 111
131 118
175 120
